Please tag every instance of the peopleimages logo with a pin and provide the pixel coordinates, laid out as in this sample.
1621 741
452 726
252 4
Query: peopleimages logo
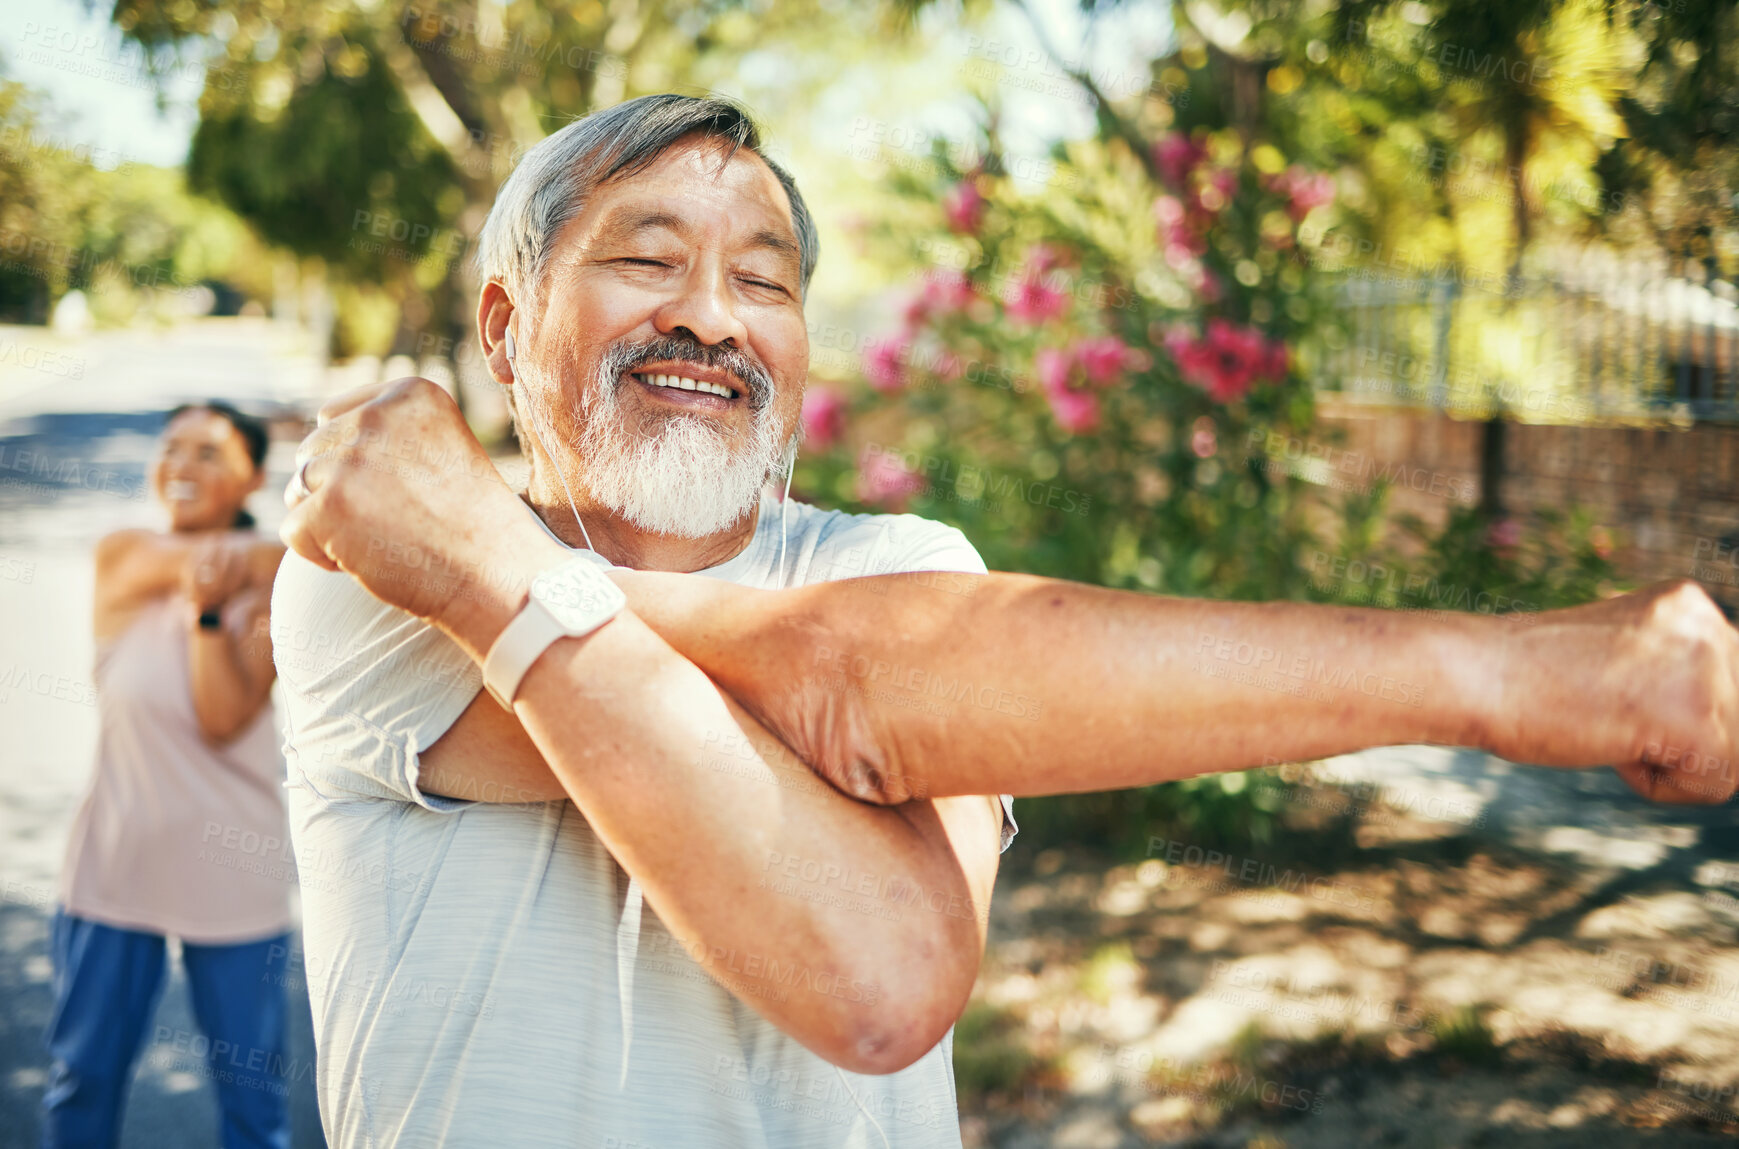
55 363
22 464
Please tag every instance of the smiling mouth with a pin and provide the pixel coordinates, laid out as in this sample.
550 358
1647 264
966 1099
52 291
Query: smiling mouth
684 383
181 491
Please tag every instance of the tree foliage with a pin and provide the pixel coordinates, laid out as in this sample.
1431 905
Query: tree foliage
133 238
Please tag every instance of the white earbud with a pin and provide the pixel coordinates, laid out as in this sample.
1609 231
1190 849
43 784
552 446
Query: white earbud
507 338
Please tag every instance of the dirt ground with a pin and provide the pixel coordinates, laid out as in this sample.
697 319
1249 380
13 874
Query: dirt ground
1381 980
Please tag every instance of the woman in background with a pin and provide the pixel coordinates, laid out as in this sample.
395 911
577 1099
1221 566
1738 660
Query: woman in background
182 830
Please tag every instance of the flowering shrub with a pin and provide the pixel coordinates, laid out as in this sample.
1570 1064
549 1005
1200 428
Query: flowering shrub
1072 377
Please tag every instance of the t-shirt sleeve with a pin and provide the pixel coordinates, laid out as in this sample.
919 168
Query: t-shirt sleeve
366 686
915 544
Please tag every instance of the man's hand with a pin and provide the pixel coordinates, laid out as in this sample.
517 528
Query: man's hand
1648 682
405 500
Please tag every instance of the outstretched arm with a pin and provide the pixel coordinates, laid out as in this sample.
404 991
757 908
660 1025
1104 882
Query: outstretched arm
909 685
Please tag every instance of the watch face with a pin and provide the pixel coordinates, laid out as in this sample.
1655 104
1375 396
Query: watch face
578 595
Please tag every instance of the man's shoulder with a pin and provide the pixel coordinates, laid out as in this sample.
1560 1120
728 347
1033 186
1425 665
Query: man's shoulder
309 597
367 686
844 544
326 627
302 585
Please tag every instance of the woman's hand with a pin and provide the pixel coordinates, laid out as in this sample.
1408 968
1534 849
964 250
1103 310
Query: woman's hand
215 569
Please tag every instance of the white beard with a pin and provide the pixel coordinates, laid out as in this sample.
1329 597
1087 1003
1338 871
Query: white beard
689 480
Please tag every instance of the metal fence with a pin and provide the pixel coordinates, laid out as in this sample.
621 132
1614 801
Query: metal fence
1590 341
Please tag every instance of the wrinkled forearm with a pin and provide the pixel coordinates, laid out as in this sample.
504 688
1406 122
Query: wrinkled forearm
229 683
704 807
902 686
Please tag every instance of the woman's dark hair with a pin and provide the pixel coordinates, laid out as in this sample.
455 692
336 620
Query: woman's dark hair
251 428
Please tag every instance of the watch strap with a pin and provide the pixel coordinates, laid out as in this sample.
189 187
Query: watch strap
566 601
532 631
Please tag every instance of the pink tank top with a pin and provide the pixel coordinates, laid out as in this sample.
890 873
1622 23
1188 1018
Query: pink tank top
177 836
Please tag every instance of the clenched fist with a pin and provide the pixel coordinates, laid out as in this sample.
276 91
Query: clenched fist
402 497
1647 681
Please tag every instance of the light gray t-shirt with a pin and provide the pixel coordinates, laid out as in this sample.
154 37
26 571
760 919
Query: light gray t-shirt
484 974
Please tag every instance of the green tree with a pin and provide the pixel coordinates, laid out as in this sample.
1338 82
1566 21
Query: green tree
131 237
370 138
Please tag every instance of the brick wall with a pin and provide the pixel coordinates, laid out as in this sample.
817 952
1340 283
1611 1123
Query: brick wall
1670 495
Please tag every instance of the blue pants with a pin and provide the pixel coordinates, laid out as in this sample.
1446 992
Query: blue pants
106 985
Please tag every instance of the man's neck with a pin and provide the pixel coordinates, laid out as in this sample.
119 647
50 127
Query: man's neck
628 546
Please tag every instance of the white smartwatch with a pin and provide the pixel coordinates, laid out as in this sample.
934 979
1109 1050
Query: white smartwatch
567 601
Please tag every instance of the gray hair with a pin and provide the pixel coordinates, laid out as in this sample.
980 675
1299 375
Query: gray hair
550 185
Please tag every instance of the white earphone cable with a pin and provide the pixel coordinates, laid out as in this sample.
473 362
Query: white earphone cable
784 505
544 443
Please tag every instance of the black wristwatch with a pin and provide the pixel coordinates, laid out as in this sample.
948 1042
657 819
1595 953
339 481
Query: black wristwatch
210 620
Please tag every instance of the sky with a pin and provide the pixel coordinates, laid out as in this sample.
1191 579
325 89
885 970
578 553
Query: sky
105 104
108 107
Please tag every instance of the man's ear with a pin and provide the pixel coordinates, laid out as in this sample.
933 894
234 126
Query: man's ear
494 309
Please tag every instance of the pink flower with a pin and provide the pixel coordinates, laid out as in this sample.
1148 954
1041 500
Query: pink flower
946 292
1076 408
1100 360
1504 534
1274 367
1180 230
884 362
1203 441
823 416
1176 155
1042 258
1053 366
1304 190
1033 301
964 207
1228 360
1076 411
883 481
1216 191
1103 359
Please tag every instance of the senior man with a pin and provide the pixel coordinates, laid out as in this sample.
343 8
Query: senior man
483 969
479 962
